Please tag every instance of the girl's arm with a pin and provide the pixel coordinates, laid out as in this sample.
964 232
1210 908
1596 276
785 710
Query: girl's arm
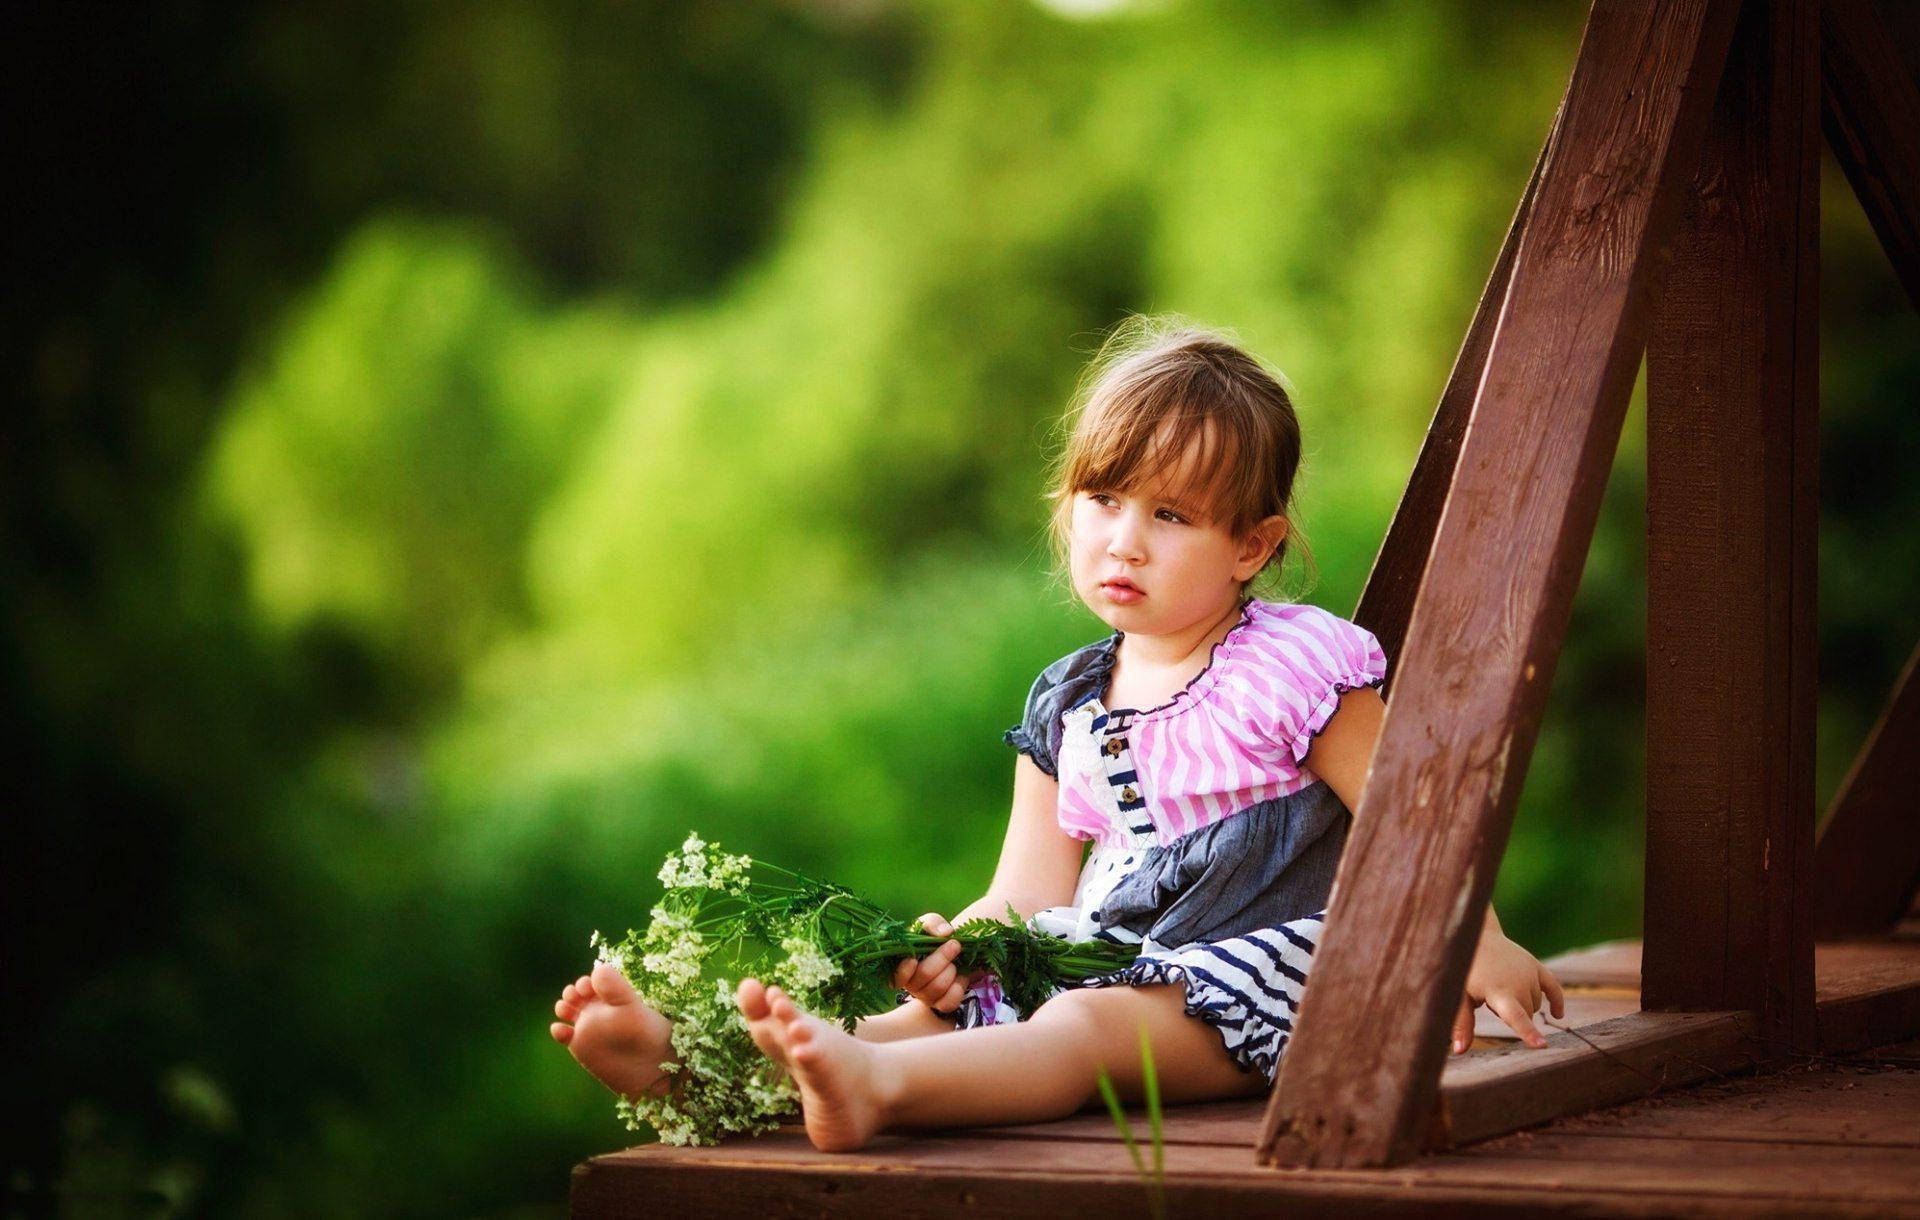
1039 862
1503 976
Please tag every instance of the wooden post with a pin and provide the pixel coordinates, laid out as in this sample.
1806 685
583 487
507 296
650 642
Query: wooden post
1361 1075
1732 521
1872 115
1867 852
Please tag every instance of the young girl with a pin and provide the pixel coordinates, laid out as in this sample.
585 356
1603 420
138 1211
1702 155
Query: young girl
1211 748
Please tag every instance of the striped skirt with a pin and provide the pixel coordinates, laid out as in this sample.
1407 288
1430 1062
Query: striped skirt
1247 987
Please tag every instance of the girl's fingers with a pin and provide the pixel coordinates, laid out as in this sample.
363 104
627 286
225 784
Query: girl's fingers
951 1000
1463 1026
1554 993
1508 1010
933 963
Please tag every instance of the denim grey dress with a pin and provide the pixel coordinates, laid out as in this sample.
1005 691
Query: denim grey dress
1231 910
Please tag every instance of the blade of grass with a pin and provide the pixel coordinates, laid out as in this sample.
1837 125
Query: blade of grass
1120 1119
1152 1084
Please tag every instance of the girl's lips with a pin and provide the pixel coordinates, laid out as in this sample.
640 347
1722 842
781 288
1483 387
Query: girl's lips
1121 591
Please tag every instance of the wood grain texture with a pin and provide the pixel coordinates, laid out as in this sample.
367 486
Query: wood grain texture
1872 119
1732 527
1867 853
1361 1072
1600 1065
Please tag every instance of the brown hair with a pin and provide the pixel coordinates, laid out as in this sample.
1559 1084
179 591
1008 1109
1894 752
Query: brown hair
1161 384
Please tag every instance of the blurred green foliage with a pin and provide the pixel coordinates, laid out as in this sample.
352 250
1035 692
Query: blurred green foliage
488 442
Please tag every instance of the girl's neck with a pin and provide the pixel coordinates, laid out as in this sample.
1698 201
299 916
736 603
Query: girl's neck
1176 650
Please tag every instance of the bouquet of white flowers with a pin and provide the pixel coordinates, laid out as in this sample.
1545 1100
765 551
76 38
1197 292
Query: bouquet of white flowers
831 950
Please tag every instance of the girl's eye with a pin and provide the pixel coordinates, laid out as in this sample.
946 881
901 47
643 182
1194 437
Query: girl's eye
1172 516
1101 498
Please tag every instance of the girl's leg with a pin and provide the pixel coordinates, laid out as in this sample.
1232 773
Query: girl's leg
911 1020
1040 1069
1046 1067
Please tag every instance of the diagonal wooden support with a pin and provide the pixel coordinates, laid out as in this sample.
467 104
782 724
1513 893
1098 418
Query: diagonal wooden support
1867 857
1363 1068
1732 525
1386 604
1872 116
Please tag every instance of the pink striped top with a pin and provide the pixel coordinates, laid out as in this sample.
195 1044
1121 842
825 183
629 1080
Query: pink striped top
1234 737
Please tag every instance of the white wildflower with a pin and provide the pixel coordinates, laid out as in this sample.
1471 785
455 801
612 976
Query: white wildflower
730 874
807 965
680 961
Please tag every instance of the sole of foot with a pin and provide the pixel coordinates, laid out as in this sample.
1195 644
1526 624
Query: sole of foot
843 1083
612 1034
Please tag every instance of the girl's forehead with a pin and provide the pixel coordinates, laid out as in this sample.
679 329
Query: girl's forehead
1185 469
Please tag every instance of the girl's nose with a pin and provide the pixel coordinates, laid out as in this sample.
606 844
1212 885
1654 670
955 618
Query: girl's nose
1124 542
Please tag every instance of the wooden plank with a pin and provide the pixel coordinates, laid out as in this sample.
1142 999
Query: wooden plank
1851 969
1732 525
1867 855
1872 118
1870 1019
1868 992
1498 1091
1811 1128
1363 1068
1831 1105
1386 604
1855 1101
1517 1186
1591 1174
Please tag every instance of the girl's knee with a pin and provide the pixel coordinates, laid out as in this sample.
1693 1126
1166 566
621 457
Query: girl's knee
1074 1006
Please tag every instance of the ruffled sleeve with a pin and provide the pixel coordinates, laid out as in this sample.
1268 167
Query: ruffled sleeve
1062 685
1032 736
1315 656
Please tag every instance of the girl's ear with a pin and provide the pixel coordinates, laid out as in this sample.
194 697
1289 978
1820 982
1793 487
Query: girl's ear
1262 540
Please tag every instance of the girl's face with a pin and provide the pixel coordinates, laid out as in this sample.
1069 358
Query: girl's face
1150 562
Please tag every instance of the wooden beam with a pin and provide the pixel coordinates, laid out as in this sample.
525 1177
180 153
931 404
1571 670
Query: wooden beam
1386 604
1732 525
1867 855
1363 1068
1496 1091
1872 116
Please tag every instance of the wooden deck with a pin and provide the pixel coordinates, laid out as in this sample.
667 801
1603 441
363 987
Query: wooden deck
1833 1134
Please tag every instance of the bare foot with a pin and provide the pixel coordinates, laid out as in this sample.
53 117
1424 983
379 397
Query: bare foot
613 1035
844 1087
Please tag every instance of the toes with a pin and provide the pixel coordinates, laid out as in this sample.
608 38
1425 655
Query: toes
783 1007
566 1011
570 994
562 1034
752 999
584 986
610 986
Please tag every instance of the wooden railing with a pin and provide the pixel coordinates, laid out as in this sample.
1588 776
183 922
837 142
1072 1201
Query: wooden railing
1673 212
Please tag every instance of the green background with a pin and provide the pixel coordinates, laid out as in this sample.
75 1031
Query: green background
459 450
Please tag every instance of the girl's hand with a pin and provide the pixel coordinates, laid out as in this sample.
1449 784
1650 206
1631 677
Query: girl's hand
934 980
1507 979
